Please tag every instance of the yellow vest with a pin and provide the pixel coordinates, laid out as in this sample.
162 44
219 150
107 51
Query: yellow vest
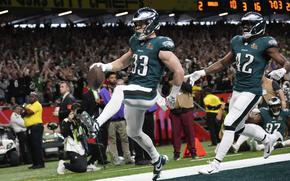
35 118
212 103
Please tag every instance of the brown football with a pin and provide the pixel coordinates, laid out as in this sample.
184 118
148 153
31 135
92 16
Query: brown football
95 77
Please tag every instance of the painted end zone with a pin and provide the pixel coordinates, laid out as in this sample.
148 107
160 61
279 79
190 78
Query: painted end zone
182 172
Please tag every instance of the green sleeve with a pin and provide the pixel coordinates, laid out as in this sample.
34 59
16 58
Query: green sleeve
166 44
270 42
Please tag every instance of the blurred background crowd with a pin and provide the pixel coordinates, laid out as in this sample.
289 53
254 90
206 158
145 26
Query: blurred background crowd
38 59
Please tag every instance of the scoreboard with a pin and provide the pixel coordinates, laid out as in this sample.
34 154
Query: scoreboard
279 6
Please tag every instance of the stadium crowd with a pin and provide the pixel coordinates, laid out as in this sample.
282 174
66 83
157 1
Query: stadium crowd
38 59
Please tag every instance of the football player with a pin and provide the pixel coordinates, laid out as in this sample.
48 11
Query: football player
149 54
273 120
250 54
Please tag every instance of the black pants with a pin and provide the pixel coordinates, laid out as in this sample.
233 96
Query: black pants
148 128
213 127
34 136
95 153
23 147
103 141
78 163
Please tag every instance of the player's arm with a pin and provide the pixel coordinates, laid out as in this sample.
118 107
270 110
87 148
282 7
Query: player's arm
118 64
173 64
280 59
220 64
214 68
122 62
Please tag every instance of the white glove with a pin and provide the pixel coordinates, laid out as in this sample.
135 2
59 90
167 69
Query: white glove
277 74
161 102
171 101
105 67
195 76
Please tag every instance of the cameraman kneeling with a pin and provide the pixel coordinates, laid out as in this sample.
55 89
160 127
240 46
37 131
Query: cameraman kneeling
75 143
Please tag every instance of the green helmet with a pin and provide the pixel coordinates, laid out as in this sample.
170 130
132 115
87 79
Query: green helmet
149 17
275 106
253 24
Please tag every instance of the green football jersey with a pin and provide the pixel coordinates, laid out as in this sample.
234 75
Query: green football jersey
272 123
147 68
250 61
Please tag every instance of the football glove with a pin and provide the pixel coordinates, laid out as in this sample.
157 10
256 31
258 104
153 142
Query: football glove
277 74
170 100
195 76
105 67
161 102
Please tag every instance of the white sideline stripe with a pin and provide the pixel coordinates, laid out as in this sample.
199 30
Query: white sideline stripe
181 172
209 158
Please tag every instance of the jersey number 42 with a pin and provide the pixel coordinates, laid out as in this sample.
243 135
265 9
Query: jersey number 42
245 68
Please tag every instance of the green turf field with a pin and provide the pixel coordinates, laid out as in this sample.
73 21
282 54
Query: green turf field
49 173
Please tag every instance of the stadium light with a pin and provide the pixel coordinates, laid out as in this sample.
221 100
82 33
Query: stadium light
224 14
3 12
64 13
121 14
171 15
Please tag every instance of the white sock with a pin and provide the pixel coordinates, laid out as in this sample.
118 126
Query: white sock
256 132
260 147
113 106
146 143
240 141
225 144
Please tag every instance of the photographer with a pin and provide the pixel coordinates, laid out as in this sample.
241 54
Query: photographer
75 143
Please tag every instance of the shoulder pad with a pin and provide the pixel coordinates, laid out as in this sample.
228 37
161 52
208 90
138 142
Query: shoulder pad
166 43
270 41
236 38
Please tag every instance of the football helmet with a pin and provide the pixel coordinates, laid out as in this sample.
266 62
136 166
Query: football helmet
275 106
147 17
253 24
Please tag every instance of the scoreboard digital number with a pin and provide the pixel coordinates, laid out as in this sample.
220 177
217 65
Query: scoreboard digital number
282 6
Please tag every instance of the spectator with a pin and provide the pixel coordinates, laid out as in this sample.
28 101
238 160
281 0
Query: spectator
66 102
18 126
182 119
212 105
117 123
33 121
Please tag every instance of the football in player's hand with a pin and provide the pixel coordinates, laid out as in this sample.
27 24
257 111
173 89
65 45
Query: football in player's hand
95 77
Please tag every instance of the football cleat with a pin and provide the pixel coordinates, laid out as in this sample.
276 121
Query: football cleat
269 145
212 167
158 166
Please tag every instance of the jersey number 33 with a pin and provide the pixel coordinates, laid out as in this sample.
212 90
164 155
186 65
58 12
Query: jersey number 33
140 65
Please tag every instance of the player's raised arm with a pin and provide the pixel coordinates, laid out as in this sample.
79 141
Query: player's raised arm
220 64
280 59
118 64
214 68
